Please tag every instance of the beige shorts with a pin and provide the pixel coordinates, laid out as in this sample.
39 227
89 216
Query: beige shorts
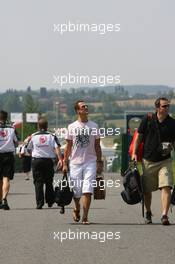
157 175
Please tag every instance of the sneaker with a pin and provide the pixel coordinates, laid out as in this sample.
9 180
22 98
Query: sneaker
148 218
5 205
165 220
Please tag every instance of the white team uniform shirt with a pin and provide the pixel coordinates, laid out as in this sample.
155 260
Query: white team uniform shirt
8 138
43 144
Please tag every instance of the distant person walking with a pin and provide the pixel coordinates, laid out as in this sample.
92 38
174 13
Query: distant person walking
8 142
83 149
158 134
26 157
44 147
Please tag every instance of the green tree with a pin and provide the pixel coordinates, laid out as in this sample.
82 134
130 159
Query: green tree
12 103
30 106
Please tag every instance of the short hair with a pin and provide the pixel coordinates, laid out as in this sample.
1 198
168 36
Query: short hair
42 123
157 102
3 115
76 106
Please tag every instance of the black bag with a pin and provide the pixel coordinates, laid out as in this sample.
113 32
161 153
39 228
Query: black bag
132 193
173 197
63 193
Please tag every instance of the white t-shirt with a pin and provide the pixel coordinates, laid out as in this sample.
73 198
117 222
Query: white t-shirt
83 135
8 138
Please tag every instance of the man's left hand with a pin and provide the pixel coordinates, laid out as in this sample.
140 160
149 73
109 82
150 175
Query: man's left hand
99 167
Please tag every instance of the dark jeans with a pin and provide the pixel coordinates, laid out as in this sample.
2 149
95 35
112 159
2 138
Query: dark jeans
43 173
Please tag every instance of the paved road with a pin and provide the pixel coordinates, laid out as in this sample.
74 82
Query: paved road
30 236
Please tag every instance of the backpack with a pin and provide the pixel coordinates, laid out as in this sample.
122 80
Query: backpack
132 193
63 193
140 147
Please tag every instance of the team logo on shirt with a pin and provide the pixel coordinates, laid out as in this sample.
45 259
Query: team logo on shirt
42 139
3 133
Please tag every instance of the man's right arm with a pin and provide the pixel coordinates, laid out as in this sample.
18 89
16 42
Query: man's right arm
15 138
67 153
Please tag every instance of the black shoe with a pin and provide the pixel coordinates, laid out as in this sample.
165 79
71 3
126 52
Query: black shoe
50 205
5 205
148 218
165 220
39 207
62 211
1 207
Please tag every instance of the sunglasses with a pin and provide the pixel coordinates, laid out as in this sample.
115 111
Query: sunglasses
84 106
165 106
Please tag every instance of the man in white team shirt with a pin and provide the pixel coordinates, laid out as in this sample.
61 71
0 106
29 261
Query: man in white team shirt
83 149
8 141
44 147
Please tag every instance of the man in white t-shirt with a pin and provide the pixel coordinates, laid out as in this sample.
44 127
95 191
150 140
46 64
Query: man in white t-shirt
83 149
8 142
44 147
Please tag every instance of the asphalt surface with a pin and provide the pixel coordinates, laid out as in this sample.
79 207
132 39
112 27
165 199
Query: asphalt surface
117 233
